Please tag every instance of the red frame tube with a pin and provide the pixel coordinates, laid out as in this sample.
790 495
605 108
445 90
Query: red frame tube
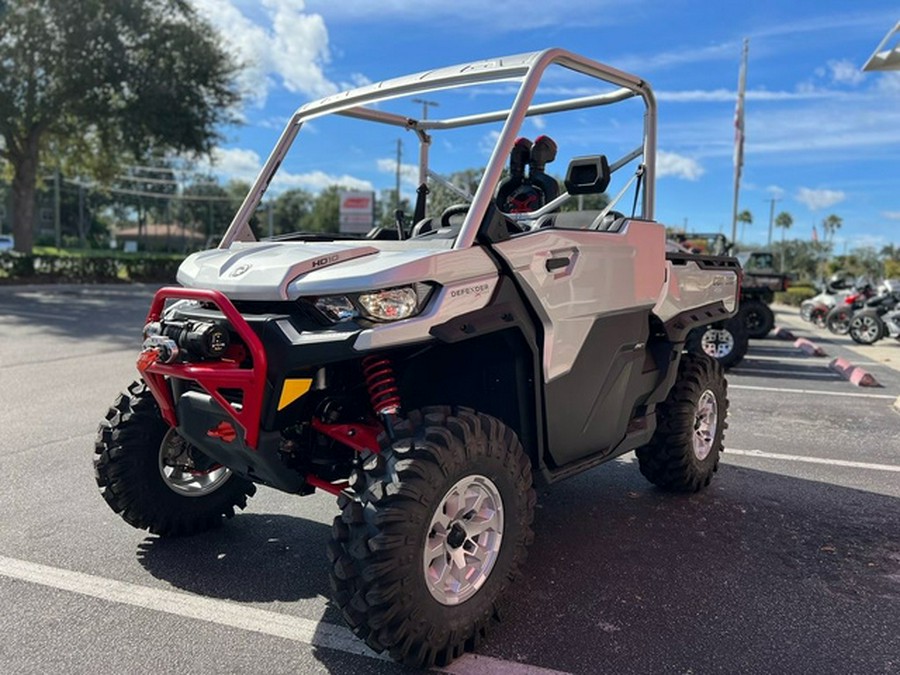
213 375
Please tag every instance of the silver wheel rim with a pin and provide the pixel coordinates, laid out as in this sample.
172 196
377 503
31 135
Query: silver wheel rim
464 540
706 419
867 329
717 343
176 466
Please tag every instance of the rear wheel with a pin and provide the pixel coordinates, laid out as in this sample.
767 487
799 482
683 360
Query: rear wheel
436 529
838 319
725 341
758 318
684 452
156 480
866 329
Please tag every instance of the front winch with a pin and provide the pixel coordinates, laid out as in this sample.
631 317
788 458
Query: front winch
199 339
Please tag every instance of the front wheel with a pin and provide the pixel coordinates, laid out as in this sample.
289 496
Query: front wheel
432 535
684 452
866 329
153 478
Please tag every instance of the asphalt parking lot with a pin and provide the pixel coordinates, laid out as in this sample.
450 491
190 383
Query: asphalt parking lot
790 562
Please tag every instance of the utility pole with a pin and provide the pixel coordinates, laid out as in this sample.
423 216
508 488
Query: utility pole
57 221
399 156
771 217
739 137
425 106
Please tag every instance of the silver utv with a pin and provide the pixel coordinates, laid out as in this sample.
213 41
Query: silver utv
509 329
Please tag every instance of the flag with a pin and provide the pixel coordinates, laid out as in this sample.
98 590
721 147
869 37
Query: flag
739 115
815 234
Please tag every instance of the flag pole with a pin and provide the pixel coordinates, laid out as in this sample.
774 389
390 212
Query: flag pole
739 139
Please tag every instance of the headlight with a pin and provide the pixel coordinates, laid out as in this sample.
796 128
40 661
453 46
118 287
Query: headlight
391 304
337 307
387 304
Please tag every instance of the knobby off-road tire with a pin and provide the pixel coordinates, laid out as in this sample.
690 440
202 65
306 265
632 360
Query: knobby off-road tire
684 452
432 535
758 318
725 341
147 491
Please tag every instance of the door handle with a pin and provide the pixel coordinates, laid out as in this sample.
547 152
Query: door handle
554 264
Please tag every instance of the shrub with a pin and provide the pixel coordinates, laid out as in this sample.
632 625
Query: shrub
93 267
795 295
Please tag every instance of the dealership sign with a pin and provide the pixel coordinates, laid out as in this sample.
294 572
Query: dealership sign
357 212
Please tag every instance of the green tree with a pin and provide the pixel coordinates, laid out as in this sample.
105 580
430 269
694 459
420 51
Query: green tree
784 220
88 84
744 218
830 225
325 215
292 211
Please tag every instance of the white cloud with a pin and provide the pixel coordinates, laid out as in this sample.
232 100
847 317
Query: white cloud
891 215
289 47
819 199
244 165
673 164
845 72
776 191
409 173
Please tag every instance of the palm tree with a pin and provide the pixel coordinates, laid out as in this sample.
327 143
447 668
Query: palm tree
831 225
784 221
744 218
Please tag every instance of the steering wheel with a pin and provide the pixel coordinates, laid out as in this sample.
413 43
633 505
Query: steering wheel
450 211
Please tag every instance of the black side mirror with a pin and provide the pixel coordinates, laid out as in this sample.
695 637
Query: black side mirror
588 175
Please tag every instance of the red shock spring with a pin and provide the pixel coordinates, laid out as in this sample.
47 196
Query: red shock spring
382 385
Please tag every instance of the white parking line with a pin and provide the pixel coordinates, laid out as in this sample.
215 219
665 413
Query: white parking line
825 374
811 460
813 392
234 615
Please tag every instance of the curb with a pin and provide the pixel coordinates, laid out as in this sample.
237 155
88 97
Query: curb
782 333
897 404
855 375
808 347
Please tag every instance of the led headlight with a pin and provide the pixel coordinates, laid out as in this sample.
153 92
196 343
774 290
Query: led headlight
390 304
386 304
337 307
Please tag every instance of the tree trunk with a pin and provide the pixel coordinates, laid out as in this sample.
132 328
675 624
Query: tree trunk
24 186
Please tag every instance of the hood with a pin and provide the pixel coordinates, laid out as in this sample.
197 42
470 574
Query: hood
286 270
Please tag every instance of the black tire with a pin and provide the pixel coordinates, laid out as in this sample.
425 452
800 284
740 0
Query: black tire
725 341
838 319
758 318
866 328
129 471
806 310
817 316
684 452
378 547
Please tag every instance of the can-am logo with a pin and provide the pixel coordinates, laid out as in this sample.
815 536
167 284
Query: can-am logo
325 260
469 290
240 269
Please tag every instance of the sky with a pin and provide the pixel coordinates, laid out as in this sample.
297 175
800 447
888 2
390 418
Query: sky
821 136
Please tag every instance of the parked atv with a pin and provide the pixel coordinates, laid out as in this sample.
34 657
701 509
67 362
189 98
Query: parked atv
432 373
760 282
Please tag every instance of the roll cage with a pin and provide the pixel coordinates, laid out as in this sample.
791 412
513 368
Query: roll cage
527 70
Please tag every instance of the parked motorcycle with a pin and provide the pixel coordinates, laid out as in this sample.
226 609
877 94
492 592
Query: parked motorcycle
837 320
880 318
838 287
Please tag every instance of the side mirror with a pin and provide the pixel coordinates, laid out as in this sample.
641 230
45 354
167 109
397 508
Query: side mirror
588 175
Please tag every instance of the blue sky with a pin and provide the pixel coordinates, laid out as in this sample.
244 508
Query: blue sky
821 136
